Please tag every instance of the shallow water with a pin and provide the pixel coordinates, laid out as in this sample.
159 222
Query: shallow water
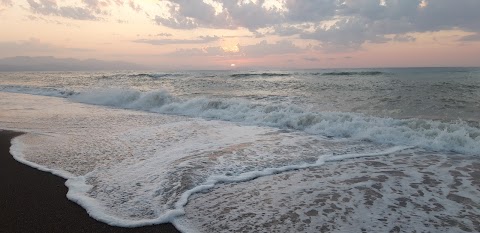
414 192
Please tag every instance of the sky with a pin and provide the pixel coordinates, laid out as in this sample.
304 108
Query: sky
226 34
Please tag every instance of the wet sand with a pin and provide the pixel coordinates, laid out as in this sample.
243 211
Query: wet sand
404 192
35 201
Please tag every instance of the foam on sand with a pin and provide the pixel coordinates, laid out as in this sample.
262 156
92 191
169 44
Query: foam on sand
134 168
404 192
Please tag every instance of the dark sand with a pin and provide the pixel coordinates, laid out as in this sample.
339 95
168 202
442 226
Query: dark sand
35 201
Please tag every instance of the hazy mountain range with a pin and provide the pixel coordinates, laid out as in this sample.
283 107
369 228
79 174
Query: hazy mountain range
48 63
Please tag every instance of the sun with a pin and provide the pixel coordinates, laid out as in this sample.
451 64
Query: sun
232 65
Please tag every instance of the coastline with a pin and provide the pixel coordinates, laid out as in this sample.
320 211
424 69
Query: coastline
35 201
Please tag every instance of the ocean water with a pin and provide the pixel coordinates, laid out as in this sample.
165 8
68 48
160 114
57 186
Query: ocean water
354 150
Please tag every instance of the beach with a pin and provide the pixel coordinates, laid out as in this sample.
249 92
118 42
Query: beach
424 192
35 201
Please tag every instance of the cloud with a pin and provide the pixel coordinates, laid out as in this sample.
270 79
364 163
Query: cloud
260 49
195 52
330 25
469 38
50 7
134 6
199 40
79 9
48 20
403 38
264 48
165 34
335 24
186 14
6 2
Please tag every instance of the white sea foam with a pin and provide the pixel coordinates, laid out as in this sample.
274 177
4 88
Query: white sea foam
131 168
399 193
16 150
139 198
153 188
428 134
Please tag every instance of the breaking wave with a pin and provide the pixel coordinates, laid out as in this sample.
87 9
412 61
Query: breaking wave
428 134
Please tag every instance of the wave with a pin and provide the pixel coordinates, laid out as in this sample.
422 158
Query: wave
242 75
435 135
44 91
428 134
345 73
148 75
154 75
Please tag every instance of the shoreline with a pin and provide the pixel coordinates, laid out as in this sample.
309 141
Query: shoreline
35 201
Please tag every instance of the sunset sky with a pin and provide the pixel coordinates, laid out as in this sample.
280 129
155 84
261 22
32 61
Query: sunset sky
214 34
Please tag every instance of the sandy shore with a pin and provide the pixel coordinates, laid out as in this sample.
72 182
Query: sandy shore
399 193
35 201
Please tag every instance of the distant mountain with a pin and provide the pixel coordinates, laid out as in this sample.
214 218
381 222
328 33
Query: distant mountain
63 64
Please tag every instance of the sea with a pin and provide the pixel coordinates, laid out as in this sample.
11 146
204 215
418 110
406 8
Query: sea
327 150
